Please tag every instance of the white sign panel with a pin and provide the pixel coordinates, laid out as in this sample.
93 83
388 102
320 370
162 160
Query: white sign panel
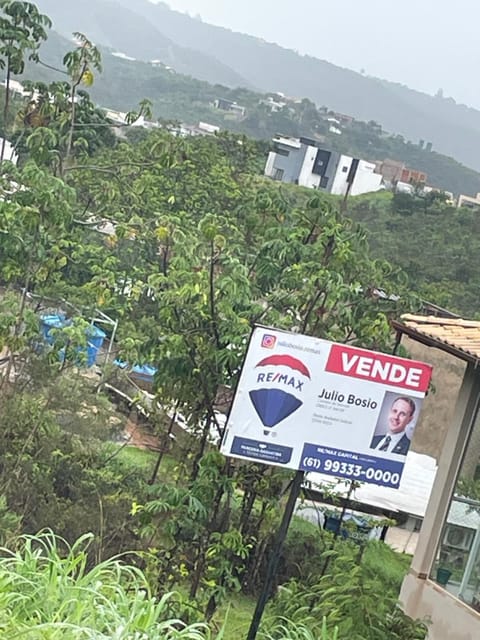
309 404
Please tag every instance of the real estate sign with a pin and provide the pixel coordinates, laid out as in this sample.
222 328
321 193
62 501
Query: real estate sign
312 405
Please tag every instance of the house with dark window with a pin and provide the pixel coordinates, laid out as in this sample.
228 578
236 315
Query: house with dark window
227 105
302 161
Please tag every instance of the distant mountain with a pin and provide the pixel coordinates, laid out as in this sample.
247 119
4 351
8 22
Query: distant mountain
147 31
108 23
453 129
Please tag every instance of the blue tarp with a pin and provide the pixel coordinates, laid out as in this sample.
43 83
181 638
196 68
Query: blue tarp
145 372
95 336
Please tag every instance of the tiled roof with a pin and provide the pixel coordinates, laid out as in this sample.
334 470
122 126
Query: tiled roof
453 335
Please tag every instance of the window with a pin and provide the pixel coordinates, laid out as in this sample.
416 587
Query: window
417 524
278 175
457 566
324 182
282 152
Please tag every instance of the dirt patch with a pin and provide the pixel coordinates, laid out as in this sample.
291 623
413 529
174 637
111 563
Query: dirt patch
141 437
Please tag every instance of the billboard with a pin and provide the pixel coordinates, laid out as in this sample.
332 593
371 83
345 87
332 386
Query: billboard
308 404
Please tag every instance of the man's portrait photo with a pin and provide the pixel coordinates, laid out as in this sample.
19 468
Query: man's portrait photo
396 423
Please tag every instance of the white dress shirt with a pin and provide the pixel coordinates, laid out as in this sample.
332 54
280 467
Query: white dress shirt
394 440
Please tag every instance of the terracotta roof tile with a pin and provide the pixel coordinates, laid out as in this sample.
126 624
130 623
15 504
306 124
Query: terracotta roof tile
454 335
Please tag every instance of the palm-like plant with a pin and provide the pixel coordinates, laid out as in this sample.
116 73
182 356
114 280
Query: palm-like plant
284 629
47 592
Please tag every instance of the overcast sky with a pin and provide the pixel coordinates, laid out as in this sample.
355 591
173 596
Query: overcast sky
426 44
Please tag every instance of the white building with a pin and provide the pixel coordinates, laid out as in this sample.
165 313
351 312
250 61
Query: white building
9 152
407 504
469 202
301 161
274 106
15 88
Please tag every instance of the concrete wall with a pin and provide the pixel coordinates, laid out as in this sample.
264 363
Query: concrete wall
450 618
366 180
339 183
291 165
306 177
403 539
439 405
270 166
9 153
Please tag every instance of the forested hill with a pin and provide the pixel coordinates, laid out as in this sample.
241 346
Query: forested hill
435 244
179 97
145 31
110 25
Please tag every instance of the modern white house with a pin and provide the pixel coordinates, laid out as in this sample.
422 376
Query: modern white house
228 105
407 505
301 161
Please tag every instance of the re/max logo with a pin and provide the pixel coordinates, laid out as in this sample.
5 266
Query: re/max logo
282 378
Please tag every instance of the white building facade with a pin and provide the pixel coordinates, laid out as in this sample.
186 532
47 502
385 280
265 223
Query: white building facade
9 151
301 161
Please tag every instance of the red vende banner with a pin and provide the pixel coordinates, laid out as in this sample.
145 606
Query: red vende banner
379 367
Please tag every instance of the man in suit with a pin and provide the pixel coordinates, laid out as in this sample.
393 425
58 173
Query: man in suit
396 440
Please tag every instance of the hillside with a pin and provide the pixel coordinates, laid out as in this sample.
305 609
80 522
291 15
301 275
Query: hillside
144 30
434 244
179 97
127 31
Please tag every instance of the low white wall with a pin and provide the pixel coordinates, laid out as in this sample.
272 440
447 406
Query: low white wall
9 153
450 619
402 540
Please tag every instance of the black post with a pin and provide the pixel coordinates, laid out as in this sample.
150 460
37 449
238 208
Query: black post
346 505
275 554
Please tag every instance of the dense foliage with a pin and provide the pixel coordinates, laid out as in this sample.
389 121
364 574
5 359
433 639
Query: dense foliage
183 244
433 242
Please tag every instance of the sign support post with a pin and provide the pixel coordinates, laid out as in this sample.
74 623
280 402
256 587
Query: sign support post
275 554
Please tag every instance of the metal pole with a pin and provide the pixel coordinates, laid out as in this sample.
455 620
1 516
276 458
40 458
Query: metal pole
110 342
275 554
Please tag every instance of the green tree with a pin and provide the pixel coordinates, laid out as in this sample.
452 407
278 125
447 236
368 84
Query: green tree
22 30
80 64
200 251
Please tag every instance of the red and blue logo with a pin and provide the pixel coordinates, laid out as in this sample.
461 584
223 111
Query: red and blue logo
280 381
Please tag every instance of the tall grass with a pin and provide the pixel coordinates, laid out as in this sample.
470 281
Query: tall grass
47 592
285 630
